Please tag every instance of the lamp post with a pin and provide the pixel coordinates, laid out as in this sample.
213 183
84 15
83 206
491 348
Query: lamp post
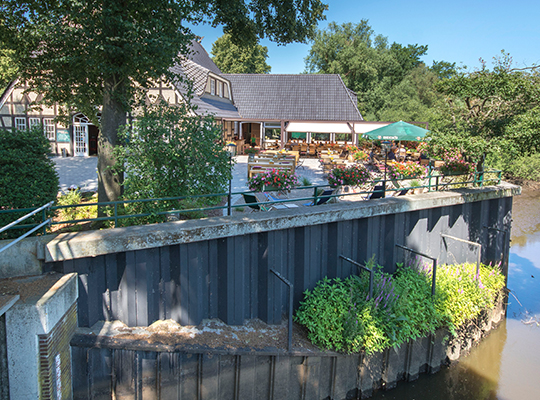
231 148
386 146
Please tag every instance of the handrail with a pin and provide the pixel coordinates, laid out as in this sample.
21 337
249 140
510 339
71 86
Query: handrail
24 217
433 278
478 245
12 224
358 265
291 292
315 197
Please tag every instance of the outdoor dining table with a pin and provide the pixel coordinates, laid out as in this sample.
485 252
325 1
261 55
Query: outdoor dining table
288 153
259 166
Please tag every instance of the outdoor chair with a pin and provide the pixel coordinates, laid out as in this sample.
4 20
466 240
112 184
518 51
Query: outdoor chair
252 202
377 193
323 198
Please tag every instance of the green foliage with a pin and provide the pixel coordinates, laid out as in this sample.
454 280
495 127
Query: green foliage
72 198
8 68
461 295
304 181
390 80
527 167
27 175
169 153
339 315
99 56
239 59
491 112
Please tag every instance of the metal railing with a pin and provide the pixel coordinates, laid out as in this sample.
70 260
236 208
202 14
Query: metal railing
362 267
468 242
23 218
291 293
116 208
434 267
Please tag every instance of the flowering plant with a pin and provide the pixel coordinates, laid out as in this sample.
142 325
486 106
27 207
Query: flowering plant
457 166
354 175
276 178
408 169
351 148
360 155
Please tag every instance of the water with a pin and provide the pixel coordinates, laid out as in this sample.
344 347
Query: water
506 365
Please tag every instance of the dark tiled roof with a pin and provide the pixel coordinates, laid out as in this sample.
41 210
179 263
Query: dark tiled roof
305 97
196 68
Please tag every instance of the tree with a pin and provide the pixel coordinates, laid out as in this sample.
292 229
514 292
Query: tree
168 153
491 108
239 59
28 177
95 56
366 62
8 69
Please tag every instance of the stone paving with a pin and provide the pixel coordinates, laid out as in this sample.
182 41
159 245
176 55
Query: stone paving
81 172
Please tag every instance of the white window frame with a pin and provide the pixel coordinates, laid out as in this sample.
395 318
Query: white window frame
20 123
49 128
212 86
33 122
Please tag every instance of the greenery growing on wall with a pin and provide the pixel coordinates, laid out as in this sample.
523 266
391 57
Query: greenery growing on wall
339 314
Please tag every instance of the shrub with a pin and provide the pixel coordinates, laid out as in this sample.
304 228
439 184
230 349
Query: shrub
353 175
74 197
360 155
526 167
28 177
276 178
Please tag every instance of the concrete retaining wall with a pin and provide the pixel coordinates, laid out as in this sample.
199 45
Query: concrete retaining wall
219 267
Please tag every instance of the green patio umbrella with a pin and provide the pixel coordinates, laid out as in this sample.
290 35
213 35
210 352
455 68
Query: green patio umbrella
397 131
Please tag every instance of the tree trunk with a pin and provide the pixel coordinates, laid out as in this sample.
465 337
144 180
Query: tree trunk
113 117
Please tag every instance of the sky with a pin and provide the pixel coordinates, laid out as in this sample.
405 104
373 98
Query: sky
455 31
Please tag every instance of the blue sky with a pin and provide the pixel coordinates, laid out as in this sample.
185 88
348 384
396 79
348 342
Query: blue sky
457 31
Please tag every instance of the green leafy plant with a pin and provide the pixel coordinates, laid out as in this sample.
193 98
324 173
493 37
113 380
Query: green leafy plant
75 198
339 314
305 181
170 153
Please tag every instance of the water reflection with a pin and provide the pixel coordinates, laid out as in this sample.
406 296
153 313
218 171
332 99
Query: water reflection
505 365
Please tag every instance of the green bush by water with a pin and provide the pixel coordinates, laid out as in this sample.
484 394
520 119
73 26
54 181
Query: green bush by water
339 315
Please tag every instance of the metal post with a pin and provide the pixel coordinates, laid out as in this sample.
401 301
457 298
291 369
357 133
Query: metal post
230 186
291 292
371 273
434 275
479 246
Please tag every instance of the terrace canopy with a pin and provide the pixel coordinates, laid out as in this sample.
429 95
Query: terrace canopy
401 131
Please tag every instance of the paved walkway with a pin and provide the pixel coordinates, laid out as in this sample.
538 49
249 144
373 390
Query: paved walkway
82 172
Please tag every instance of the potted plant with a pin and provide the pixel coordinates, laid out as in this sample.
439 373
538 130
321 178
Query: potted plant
274 179
353 175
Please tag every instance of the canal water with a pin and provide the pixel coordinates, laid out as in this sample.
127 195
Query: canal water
506 365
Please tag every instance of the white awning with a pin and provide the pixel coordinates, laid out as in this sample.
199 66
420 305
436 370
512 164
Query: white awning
319 127
334 127
364 127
